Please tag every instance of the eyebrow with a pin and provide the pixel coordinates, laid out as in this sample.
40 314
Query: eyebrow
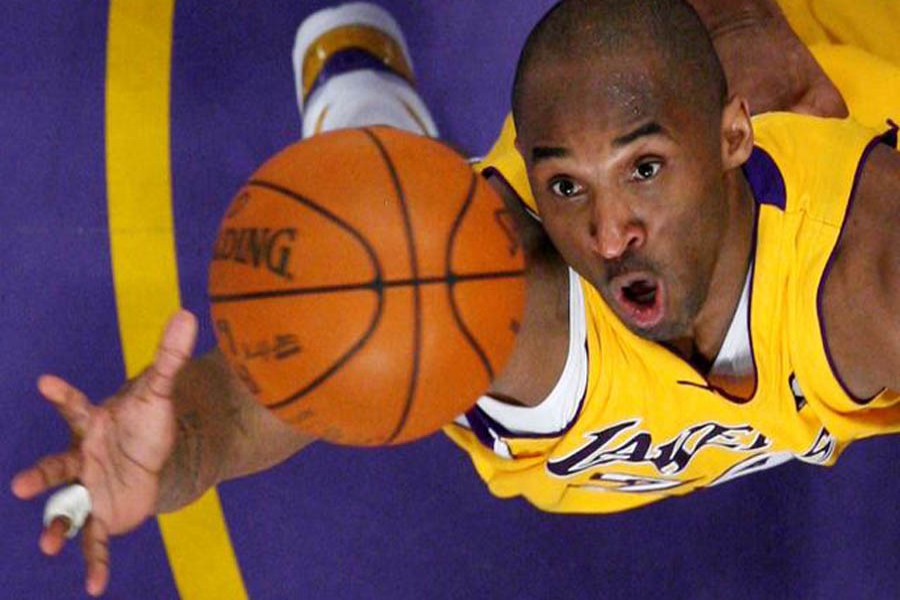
539 153
651 128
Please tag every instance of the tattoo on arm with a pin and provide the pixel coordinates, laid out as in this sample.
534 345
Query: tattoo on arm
221 433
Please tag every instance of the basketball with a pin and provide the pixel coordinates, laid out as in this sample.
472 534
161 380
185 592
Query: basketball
366 285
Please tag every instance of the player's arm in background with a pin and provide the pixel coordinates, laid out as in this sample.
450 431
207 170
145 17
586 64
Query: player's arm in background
166 437
765 61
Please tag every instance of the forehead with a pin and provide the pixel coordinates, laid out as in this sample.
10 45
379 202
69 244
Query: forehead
568 97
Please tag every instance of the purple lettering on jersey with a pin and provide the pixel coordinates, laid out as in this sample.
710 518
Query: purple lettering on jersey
587 455
669 458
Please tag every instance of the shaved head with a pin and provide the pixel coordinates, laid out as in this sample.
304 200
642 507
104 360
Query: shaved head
599 32
633 154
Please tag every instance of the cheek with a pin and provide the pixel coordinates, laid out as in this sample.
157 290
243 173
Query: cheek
687 238
697 245
697 213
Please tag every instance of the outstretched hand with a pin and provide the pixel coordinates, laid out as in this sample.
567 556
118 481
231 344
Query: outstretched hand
118 451
766 63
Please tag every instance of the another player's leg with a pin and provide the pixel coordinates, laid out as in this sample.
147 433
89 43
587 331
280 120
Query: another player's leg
352 69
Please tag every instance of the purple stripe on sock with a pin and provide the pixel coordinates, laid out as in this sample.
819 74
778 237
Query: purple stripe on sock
345 61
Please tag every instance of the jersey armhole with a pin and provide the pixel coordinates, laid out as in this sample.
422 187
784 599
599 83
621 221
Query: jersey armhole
555 414
888 138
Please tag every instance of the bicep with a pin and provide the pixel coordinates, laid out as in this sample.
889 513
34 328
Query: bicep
883 182
860 299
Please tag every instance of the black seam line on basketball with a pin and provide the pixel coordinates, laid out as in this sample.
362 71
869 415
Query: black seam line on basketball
370 252
454 306
414 268
376 266
364 286
338 364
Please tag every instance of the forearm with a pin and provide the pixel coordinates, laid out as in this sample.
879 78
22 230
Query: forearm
721 16
221 433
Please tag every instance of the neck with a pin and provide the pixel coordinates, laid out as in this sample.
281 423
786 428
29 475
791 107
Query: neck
729 275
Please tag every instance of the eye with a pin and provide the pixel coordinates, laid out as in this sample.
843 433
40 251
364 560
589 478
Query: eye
565 188
646 170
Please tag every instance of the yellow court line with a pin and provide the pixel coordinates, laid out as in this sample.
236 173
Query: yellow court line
142 246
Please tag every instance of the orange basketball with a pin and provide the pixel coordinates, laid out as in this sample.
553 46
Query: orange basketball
366 285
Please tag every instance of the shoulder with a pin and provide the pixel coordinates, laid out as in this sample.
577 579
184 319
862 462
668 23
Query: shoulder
804 145
808 165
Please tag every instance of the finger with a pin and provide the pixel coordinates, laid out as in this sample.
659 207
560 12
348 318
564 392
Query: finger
48 472
54 537
95 546
175 349
71 403
72 503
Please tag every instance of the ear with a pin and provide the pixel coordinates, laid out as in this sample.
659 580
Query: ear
737 133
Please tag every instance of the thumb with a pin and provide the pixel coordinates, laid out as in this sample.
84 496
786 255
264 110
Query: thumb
174 350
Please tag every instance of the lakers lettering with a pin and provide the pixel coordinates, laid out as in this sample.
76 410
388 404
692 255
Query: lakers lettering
624 443
257 247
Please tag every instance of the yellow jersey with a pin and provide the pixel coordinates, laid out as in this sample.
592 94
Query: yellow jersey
641 424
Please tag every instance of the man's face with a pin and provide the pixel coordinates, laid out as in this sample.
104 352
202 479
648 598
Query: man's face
629 184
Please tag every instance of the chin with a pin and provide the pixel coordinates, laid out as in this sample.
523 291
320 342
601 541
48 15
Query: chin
665 331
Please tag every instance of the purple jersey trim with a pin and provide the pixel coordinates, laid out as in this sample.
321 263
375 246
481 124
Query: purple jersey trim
889 138
345 61
765 179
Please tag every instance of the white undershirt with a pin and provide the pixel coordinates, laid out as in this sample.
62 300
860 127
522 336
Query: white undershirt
735 358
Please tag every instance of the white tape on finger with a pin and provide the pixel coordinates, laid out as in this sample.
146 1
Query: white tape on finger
72 503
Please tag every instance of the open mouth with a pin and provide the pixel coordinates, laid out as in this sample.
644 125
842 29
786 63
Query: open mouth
640 297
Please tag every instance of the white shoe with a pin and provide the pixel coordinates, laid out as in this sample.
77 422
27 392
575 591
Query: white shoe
352 68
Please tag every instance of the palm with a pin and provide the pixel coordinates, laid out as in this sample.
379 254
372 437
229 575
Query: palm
118 451
123 450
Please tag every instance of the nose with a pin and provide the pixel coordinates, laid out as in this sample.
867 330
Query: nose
615 229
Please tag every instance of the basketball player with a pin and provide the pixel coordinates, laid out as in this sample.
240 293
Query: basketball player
734 275
185 425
